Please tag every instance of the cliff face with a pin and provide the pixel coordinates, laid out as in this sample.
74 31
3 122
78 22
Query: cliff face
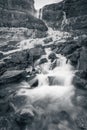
19 13
68 15
21 5
53 15
76 13
75 8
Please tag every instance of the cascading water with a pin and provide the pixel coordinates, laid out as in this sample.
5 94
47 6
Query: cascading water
64 21
55 91
39 13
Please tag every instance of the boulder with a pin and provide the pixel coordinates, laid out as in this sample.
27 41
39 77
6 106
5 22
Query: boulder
73 7
81 101
43 60
5 124
69 48
82 74
74 57
53 64
1 55
8 123
82 62
47 40
20 14
25 115
79 82
52 56
12 76
53 15
81 120
2 67
36 52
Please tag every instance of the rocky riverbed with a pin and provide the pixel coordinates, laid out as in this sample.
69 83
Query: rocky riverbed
43 70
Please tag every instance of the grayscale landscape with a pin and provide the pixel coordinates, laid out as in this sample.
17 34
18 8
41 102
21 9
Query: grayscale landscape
43 64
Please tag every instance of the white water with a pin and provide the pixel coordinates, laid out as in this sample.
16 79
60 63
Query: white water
55 91
56 97
61 91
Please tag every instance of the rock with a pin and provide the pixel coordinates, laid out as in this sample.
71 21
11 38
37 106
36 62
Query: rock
84 41
22 59
79 83
2 67
81 120
47 40
52 56
5 124
33 81
76 20
1 55
19 101
72 8
8 123
82 74
53 15
20 14
81 101
82 63
25 5
12 76
69 48
43 60
53 64
36 52
25 116
74 57
6 107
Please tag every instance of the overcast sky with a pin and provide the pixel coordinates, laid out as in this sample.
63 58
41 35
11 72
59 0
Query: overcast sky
40 3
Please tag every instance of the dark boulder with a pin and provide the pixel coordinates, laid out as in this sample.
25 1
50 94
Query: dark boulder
2 67
25 116
5 124
81 120
53 15
69 48
12 76
52 56
82 74
36 52
74 57
74 8
47 40
79 83
43 60
82 62
1 55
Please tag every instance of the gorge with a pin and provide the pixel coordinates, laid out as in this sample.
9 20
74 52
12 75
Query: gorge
43 65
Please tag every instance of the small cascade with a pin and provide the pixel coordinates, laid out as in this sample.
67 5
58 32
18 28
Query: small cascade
64 21
39 13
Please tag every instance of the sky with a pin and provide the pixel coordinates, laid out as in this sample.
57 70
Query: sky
40 3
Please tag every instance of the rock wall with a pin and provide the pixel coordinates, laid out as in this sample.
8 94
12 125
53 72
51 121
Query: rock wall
21 5
68 15
19 13
53 15
76 13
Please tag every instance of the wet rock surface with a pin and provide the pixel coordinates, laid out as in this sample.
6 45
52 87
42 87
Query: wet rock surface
26 55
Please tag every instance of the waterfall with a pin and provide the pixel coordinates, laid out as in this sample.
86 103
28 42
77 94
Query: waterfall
64 21
39 13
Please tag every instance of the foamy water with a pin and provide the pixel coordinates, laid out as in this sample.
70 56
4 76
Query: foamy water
56 97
